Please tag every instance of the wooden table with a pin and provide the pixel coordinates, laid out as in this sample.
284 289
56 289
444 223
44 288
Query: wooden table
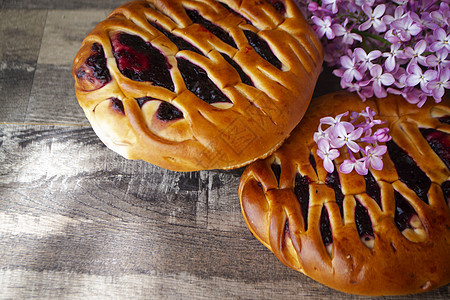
77 220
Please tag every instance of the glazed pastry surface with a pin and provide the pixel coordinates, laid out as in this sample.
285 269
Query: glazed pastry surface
386 233
194 85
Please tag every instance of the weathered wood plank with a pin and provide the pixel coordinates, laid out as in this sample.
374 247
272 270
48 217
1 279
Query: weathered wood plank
50 285
21 31
58 4
64 32
77 220
53 284
52 97
19 51
16 80
69 204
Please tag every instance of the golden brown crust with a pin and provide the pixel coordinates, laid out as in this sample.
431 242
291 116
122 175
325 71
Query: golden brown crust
394 262
209 136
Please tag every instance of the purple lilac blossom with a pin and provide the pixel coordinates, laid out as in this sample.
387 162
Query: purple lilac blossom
400 37
327 154
373 156
379 80
373 18
349 135
439 85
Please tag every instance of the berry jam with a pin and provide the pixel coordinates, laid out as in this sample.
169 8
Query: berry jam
312 161
403 212
181 43
301 190
332 181
235 13
286 228
444 120
325 227
262 48
446 190
276 169
143 100
439 142
94 69
245 79
117 105
278 5
362 220
140 61
408 172
198 82
165 112
372 188
214 29
168 112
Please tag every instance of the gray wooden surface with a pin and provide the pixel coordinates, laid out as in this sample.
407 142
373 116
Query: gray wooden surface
77 220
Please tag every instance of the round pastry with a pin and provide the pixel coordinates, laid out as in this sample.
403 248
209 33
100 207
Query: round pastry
383 233
193 85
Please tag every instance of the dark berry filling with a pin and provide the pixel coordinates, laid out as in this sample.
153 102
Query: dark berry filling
278 5
403 212
312 161
140 61
168 112
165 112
446 190
440 142
235 13
372 188
181 43
301 190
444 120
332 181
245 79
286 228
325 227
198 82
143 100
262 48
260 185
408 172
117 105
362 220
276 169
94 69
214 29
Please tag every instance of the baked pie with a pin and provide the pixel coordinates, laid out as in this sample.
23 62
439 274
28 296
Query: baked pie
191 85
384 233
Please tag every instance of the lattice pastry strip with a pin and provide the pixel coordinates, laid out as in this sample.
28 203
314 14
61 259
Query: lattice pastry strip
384 233
191 85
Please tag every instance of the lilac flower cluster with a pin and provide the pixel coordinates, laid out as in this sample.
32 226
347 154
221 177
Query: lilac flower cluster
351 135
379 47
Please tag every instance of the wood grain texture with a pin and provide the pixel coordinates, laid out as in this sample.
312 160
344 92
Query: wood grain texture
52 97
21 31
64 32
16 80
79 221
19 51
128 220
58 4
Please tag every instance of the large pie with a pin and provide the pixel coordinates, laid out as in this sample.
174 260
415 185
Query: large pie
384 233
192 85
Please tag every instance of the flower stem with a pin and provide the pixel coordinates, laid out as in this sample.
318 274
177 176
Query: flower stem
371 35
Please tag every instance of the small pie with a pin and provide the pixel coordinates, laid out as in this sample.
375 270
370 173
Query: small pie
384 233
191 85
